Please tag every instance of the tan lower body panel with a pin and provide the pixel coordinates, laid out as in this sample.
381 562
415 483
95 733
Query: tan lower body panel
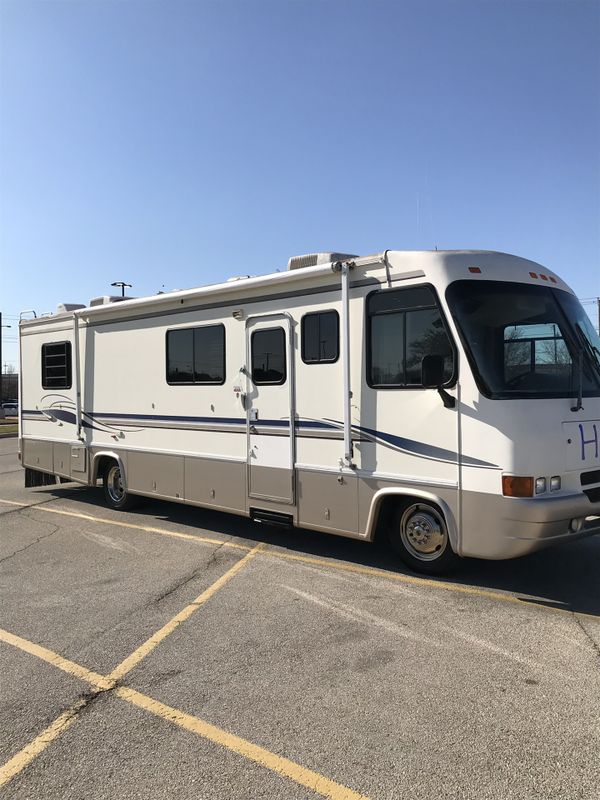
38 454
328 500
325 500
62 459
210 482
271 483
155 474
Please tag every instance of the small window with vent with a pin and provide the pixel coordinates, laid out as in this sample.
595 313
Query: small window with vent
320 337
56 365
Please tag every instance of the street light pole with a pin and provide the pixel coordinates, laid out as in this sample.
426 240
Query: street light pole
122 284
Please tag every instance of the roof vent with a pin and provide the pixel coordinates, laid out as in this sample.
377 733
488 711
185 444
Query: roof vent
316 259
65 308
237 278
105 299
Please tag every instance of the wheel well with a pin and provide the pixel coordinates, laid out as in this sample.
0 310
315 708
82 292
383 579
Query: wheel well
103 463
392 503
388 505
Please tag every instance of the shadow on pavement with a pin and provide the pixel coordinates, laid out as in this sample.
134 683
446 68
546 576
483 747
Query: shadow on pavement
565 577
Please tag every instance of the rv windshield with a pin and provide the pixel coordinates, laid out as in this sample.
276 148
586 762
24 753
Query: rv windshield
526 341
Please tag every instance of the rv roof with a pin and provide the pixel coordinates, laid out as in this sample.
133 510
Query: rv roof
401 261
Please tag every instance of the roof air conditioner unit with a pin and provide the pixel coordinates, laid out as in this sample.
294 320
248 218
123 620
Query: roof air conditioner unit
317 259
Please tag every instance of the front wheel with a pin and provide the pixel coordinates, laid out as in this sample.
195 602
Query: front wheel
419 535
114 491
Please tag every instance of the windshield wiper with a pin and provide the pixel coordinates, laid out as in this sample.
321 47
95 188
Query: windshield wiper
593 355
591 350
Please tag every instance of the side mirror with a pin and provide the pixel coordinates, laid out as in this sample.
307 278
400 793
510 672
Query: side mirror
432 371
432 377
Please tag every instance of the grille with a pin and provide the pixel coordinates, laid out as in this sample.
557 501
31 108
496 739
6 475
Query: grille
593 495
587 478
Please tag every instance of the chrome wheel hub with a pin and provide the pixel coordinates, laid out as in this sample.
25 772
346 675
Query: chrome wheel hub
114 485
423 533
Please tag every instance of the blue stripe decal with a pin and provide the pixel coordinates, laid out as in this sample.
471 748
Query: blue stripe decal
398 443
424 450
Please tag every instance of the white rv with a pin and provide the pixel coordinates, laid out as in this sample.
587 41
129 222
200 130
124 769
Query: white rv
448 399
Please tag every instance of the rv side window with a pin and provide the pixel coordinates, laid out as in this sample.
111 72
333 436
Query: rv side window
268 356
320 337
403 326
56 365
196 355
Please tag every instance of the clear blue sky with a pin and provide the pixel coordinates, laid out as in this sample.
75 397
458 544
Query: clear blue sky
176 143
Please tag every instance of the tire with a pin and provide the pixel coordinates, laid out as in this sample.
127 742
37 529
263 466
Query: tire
419 535
114 494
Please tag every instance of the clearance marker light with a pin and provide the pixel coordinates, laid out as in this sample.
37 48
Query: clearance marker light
552 279
474 269
543 277
516 486
533 274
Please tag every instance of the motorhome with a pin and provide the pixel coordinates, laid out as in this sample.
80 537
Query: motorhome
447 400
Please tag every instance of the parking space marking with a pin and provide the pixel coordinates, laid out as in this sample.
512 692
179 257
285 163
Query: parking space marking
148 646
70 667
201 728
25 756
279 764
100 682
145 528
322 562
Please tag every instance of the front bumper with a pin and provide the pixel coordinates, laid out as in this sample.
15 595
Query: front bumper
513 526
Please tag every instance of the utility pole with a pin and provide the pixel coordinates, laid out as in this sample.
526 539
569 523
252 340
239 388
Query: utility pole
1 367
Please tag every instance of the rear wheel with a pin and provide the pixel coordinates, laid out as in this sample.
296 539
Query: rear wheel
419 535
114 491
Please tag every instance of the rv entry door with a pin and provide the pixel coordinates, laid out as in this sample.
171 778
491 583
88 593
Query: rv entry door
270 407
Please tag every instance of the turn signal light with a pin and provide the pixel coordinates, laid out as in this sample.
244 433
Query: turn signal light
516 486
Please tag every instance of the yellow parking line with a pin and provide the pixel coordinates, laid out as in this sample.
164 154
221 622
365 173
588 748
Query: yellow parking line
355 568
283 766
70 667
121 524
143 650
205 730
25 756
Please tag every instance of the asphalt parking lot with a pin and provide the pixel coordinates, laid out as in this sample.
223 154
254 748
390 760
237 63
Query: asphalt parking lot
175 652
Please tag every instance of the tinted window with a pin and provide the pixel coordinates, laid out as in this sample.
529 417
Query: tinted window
320 337
405 325
180 356
56 365
525 340
196 355
268 356
209 354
